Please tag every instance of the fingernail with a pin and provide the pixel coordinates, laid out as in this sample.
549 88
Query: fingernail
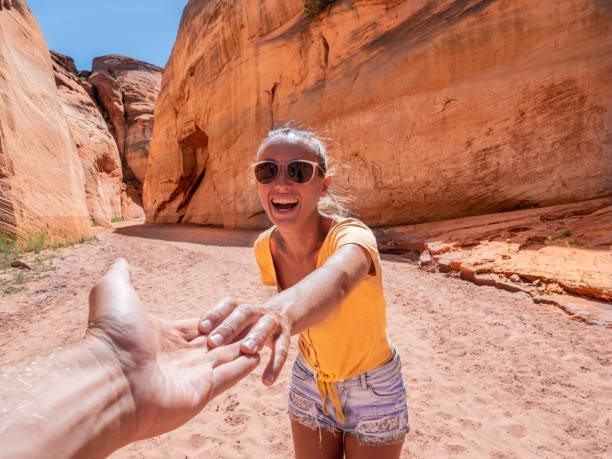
268 379
216 339
206 326
250 344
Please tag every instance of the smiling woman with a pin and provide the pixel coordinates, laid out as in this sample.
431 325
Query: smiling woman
346 393
142 29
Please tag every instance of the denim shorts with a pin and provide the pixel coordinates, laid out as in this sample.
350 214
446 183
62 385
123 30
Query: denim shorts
373 403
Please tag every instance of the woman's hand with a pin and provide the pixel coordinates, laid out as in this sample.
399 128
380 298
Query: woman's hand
293 310
253 325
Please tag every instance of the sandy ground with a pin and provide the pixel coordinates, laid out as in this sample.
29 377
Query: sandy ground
488 372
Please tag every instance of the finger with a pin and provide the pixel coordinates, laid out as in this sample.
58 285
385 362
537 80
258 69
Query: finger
187 328
228 374
113 292
223 354
242 317
278 358
199 342
215 316
258 335
119 268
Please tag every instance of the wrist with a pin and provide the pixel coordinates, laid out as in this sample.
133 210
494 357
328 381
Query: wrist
280 307
117 425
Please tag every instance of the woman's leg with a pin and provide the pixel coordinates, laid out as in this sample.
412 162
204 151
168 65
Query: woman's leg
354 450
308 444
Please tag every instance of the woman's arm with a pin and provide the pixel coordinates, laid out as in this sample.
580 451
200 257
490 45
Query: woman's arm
293 310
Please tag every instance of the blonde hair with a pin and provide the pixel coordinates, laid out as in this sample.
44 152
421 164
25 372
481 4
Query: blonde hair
331 203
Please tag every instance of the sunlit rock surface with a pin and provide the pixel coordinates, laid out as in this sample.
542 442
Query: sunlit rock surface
126 90
549 251
41 178
96 146
434 110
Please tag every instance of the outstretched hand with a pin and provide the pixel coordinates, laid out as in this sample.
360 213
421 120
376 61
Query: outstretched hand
171 374
230 320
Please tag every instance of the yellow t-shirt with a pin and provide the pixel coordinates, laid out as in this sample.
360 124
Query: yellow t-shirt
353 338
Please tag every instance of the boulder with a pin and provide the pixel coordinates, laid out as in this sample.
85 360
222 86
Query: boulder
434 110
126 90
41 178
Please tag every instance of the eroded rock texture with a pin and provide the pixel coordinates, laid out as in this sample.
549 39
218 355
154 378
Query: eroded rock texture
126 90
95 145
435 110
555 250
41 179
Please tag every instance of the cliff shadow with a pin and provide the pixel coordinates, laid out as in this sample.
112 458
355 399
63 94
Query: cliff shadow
195 234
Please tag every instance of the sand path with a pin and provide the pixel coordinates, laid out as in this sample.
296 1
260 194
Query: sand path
488 373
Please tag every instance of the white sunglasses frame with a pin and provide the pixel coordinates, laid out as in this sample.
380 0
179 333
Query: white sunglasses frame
283 165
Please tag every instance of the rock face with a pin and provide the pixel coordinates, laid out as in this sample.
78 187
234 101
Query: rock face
445 109
126 90
95 145
557 249
41 179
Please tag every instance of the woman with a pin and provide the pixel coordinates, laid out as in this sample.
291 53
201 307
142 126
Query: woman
346 393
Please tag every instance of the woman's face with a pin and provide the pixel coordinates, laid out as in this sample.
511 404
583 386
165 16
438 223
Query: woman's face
290 204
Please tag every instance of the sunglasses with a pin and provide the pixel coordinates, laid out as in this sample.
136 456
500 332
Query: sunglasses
299 171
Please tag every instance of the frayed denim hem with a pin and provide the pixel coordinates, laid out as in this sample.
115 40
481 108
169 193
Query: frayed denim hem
361 433
393 439
394 428
313 424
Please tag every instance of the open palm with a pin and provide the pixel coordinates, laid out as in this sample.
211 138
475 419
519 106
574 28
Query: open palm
171 374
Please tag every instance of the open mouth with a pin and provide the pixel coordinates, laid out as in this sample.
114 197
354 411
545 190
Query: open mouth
284 204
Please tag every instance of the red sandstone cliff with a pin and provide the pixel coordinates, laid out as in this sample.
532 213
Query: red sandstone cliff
437 109
107 195
41 179
95 145
126 90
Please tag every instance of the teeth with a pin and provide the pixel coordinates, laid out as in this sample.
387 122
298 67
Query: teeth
284 201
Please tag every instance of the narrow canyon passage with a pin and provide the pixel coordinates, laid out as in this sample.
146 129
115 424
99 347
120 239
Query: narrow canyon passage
488 373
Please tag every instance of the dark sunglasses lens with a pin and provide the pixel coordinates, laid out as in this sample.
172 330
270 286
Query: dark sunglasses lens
266 172
299 171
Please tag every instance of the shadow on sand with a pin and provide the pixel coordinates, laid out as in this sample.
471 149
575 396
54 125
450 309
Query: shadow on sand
190 233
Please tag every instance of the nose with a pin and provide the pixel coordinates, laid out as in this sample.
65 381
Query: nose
282 182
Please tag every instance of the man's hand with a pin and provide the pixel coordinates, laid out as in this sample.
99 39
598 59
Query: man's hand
171 374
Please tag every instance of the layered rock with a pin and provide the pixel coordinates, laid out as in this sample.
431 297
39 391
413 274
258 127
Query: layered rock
557 249
443 109
95 145
126 90
41 179
559 255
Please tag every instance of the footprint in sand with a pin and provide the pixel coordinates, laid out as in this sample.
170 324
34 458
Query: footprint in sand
516 430
197 441
455 449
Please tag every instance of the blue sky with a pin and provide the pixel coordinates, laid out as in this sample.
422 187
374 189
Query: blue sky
142 29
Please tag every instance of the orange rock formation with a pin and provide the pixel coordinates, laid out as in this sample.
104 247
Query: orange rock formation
110 192
543 252
41 179
96 146
435 110
126 90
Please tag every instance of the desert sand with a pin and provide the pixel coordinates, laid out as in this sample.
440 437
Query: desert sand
488 372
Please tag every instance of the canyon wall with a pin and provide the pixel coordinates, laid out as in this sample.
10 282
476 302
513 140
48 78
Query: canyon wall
96 147
433 109
41 179
126 90
111 188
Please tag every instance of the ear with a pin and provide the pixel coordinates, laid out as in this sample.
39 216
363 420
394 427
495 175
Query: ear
325 185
